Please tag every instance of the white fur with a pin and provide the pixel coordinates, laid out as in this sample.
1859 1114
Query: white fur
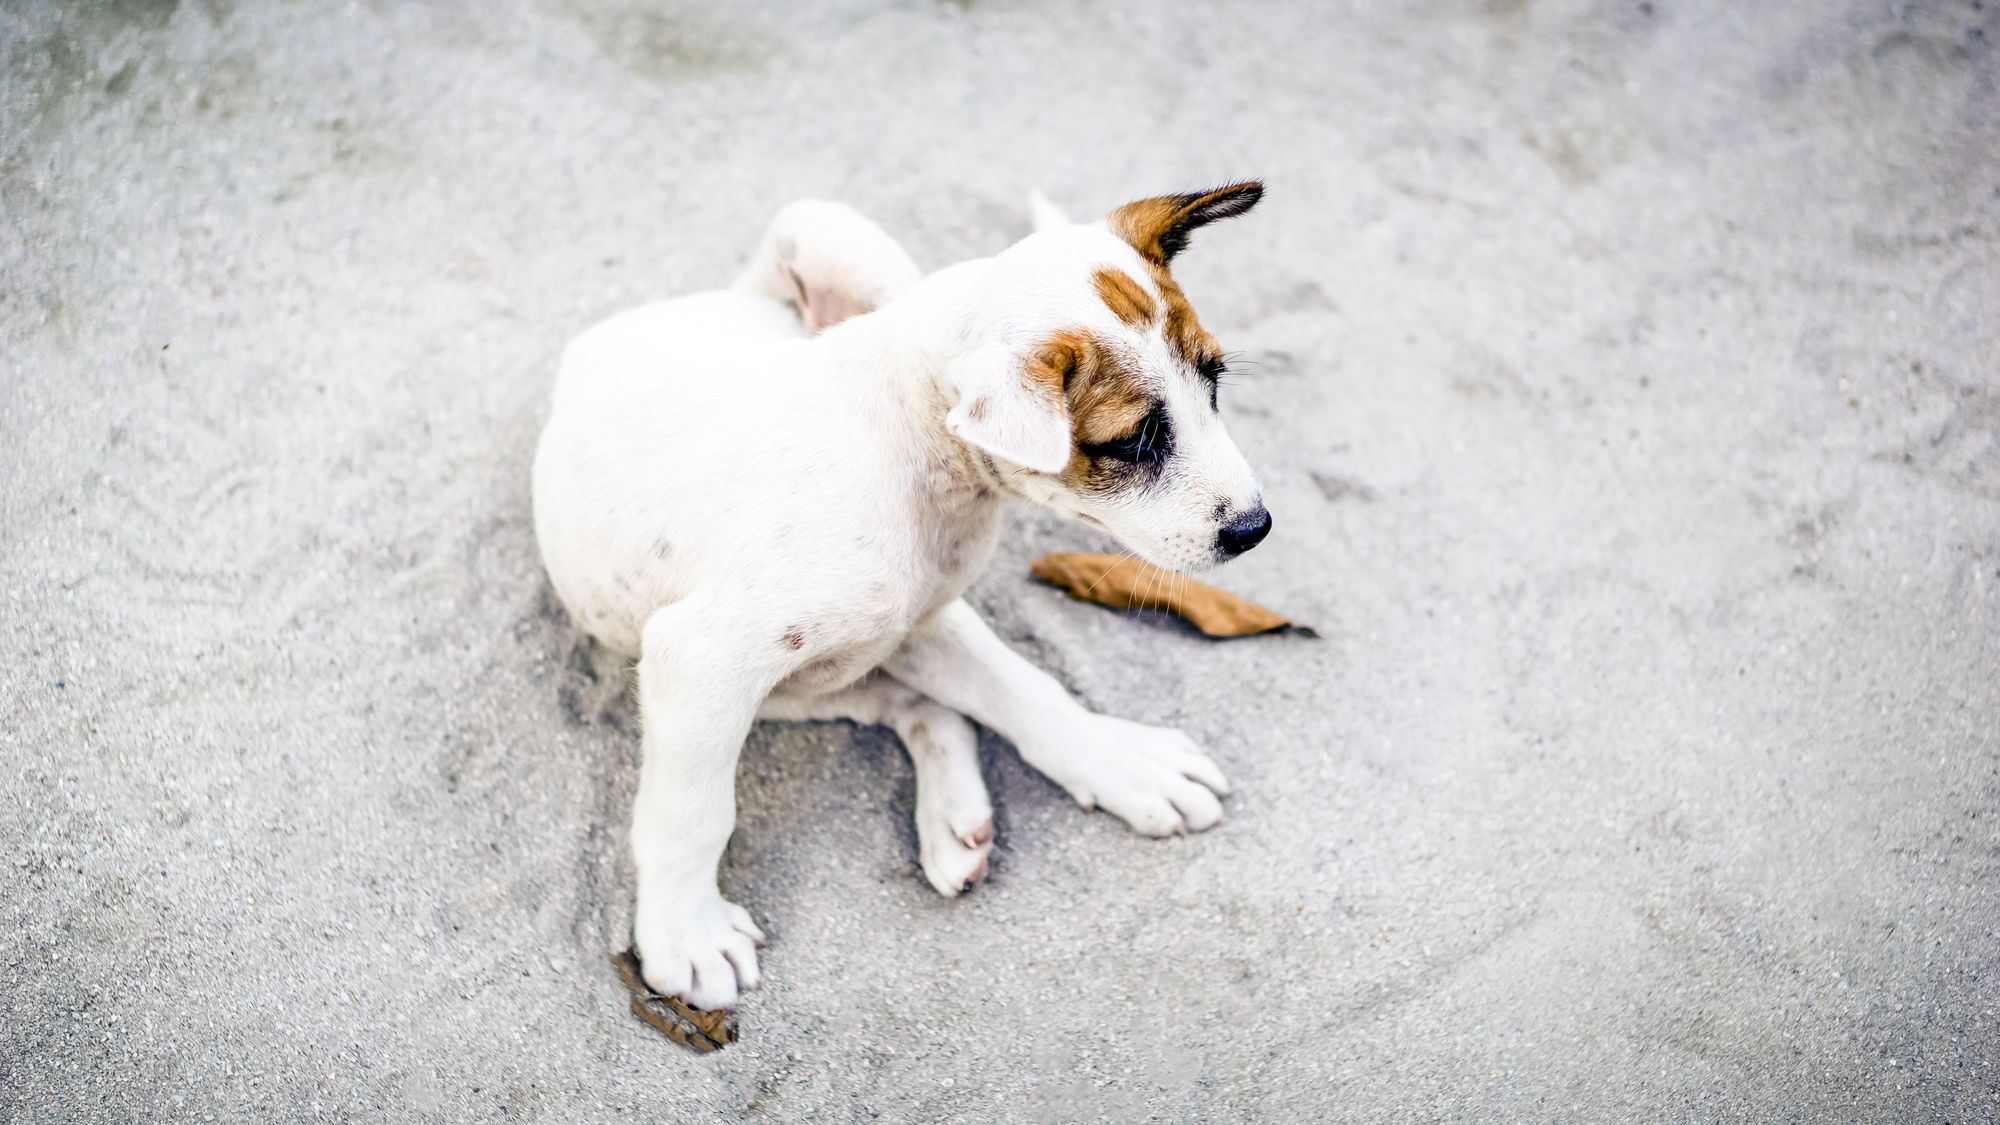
782 525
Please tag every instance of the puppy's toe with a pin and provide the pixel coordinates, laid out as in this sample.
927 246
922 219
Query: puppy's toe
1197 805
978 835
667 974
714 986
1148 813
695 948
740 919
953 869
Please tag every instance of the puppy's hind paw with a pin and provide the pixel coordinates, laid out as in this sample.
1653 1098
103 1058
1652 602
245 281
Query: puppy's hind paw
955 858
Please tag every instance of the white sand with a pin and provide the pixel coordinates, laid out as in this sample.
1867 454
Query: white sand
1625 389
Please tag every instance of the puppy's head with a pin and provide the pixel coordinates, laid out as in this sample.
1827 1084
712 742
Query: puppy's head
1092 385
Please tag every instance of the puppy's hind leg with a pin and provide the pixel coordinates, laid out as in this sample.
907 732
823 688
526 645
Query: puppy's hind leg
830 261
954 813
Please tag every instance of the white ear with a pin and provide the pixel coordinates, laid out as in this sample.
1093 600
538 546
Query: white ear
1004 411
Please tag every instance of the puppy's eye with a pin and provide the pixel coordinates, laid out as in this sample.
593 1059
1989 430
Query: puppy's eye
1147 445
1212 369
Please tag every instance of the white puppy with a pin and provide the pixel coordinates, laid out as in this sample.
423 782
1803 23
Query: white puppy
781 525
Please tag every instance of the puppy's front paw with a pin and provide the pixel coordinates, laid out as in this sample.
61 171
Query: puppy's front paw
700 948
1154 779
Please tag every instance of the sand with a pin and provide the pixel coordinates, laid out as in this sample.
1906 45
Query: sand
1623 382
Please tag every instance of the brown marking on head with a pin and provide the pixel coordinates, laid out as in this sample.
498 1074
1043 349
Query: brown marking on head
1125 297
1049 366
1158 229
1184 333
1103 393
1107 395
795 637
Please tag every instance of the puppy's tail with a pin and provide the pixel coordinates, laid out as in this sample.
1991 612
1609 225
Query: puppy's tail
830 261
1042 214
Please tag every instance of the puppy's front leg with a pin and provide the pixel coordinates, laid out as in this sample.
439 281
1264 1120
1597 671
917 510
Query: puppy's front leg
1154 779
698 694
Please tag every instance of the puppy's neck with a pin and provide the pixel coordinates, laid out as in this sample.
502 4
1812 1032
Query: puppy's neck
931 322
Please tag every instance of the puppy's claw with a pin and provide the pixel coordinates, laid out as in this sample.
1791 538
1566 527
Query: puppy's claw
979 836
951 865
740 919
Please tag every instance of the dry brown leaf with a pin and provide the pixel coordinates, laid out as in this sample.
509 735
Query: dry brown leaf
698 1031
1126 582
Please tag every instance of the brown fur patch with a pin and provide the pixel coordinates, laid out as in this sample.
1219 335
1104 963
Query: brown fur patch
1184 333
1050 366
1145 223
1101 390
1125 297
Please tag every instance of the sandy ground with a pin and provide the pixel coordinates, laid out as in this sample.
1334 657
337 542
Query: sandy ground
1623 377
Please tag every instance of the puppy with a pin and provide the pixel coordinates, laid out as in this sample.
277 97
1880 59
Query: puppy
781 525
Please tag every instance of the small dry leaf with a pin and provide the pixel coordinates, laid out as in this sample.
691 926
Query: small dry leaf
698 1031
1125 582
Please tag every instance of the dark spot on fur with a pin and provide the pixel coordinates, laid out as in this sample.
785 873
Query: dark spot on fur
795 638
977 411
662 548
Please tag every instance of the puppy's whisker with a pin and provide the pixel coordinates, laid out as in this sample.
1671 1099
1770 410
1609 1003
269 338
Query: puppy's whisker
1145 583
1123 559
1163 594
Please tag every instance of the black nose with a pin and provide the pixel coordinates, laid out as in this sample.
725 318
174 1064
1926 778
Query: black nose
1243 532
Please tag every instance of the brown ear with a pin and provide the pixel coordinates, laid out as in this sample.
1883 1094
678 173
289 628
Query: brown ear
1159 227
